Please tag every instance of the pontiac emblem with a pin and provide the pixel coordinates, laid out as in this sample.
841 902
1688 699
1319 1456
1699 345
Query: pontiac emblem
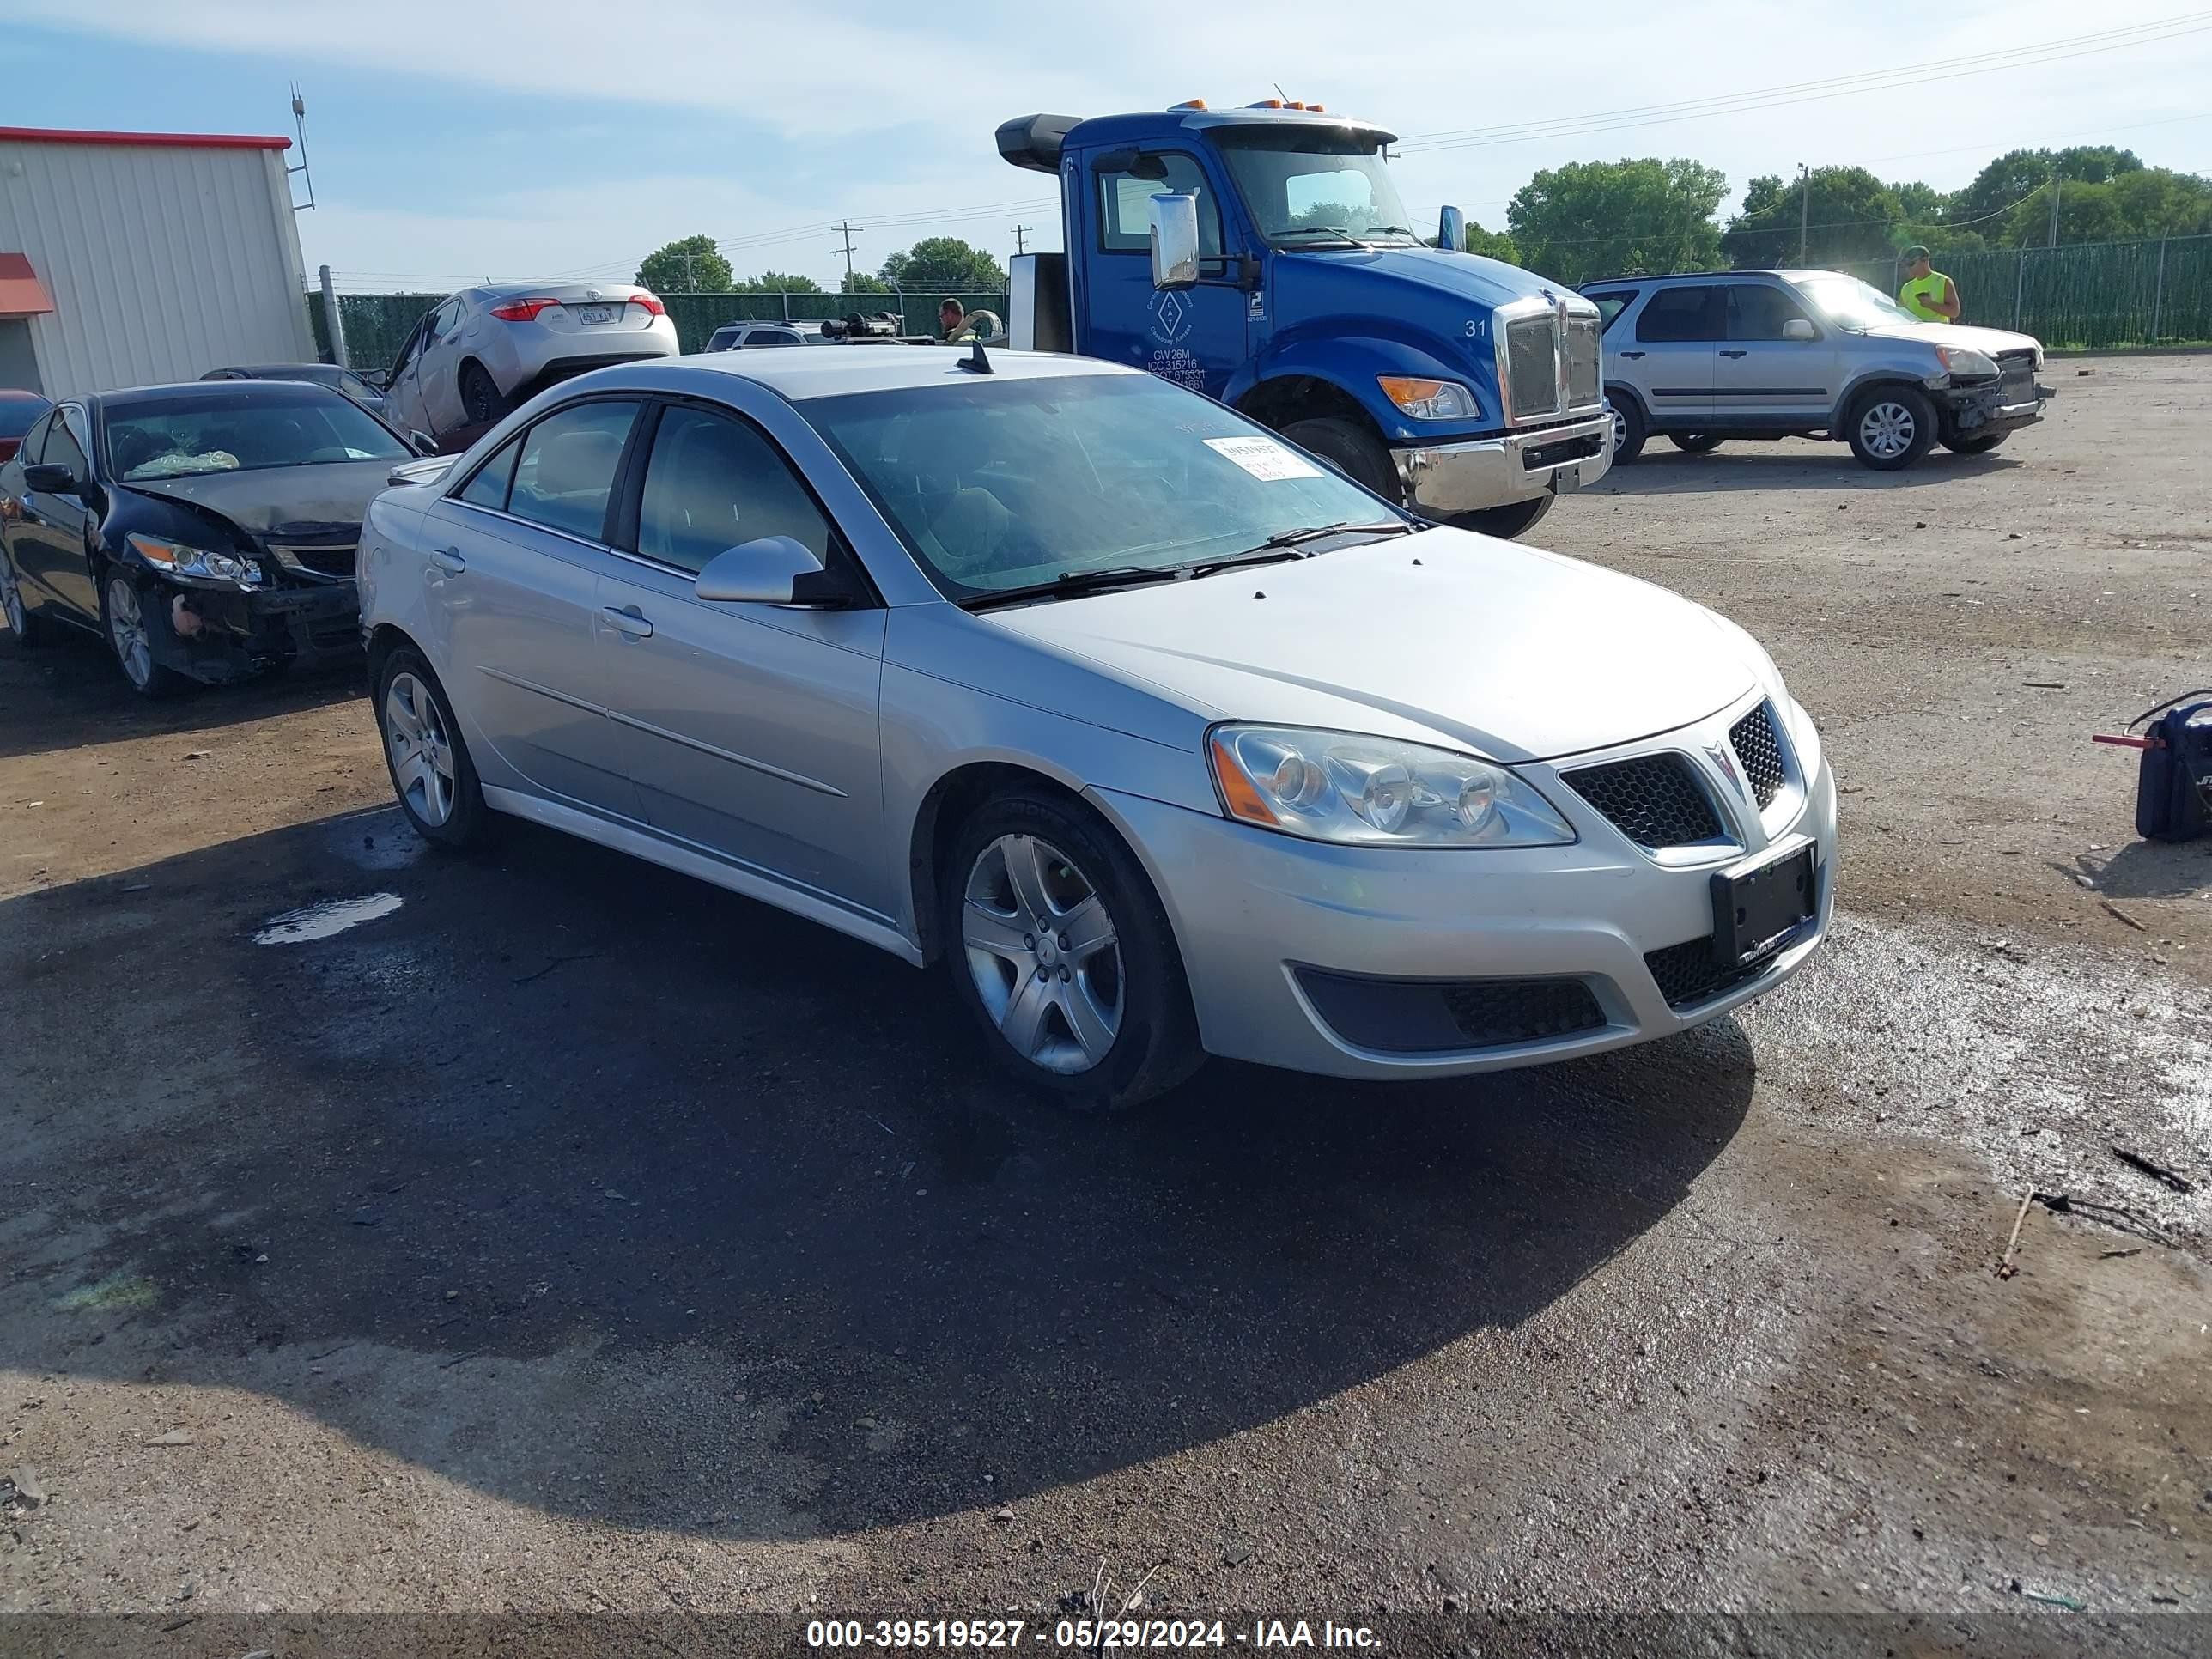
1724 761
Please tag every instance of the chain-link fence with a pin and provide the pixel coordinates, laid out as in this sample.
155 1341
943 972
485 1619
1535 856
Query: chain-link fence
2094 295
376 323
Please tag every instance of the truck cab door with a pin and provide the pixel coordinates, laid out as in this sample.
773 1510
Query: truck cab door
1193 336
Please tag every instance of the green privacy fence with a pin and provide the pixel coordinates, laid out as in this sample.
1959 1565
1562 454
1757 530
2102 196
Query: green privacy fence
375 325
2095 294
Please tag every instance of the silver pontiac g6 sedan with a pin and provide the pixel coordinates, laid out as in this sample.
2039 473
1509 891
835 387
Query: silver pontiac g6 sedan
1164 738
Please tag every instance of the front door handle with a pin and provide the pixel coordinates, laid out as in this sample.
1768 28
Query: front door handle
449 559
629 621
1631 354
1738 352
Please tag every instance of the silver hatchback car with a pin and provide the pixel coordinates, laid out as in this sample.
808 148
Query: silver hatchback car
1164 737
478 353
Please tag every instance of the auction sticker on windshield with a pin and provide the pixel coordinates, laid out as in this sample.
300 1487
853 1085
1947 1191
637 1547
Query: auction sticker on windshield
1263 458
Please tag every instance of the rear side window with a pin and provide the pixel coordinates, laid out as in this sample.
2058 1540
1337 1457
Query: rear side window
712 483
566 469
1756 312
722 339
489 487
1681 313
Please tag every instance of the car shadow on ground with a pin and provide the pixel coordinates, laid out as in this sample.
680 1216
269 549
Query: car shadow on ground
82 699
2146 869
1781 466
612 1194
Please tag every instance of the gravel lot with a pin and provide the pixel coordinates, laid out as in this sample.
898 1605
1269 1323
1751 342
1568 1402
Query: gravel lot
577 1236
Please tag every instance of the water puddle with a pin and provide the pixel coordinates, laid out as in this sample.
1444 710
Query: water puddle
323 920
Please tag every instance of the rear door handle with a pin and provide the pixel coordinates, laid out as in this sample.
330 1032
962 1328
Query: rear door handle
449 559
1631 354
629 621
1738 352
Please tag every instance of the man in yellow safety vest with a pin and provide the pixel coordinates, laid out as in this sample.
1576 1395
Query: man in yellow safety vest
1927 293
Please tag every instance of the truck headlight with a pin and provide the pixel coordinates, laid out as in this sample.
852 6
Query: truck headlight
1428 400
1376 791
180 559
1967 363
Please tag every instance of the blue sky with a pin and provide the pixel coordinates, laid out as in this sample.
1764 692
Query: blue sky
459 140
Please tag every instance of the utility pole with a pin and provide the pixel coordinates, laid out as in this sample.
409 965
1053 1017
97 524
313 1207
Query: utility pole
1804 208
690 283
846 230
1021 240
2054 206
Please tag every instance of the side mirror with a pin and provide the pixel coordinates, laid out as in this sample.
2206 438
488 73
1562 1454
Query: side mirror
423 442
1174 224
376 380
48 478
1451 229
772 570
1796 328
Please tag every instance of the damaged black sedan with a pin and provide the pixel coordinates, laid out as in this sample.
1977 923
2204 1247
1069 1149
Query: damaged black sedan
206 531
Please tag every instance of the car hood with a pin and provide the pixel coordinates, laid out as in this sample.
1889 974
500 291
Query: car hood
286 502
1989 340
1505 650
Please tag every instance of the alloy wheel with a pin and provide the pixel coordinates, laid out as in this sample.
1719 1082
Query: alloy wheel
126 631
1887 429
1619 431
422 752
1045 953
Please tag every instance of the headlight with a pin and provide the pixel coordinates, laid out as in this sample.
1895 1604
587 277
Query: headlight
1376 791
181 560
1967 362
1428 400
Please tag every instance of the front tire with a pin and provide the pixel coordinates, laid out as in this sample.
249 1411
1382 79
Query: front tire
129 634
1978 443
1630 431
480 399
29 627
1507 522
1353 450
1058 946
431 772
1891 427
1695 443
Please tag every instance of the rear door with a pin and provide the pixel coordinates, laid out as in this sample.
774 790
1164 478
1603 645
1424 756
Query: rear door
1193 336
1760 374
1671 351
402 390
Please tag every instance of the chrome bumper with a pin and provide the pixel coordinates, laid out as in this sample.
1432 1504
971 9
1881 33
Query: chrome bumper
1449 478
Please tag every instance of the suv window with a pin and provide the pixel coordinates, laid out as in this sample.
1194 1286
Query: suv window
1681 313
1757 312
773 337
1611 305
1125 209
566 469
488 487
713 481
723 338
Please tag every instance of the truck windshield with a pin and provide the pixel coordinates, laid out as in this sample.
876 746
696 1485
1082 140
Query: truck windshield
1850 303
1308 187
1002 483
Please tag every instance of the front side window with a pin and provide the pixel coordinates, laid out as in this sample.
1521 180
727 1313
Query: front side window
243 426
1851 303
996 484
1308 187
773 337
34 442
1124 224
566 469
63 448
1680 314
1610 306
712 482
1757 312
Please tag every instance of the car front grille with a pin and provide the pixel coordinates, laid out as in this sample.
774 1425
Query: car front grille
1532 366
1583 357
1654 799
2018 370
1759 751
329 559
1410 1017
1687 975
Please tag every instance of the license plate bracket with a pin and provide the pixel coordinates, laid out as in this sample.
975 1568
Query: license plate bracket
590 315
1757 911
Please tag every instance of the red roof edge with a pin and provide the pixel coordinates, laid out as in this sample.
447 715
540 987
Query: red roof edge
157 140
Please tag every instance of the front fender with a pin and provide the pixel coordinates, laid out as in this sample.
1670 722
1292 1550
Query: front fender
1350 363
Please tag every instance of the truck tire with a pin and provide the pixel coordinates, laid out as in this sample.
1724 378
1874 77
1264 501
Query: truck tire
1890 427
1507 522
1977 443
1695 443
1629 430
1353 450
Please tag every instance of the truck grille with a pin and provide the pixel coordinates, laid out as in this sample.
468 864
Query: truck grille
1653 800
1583 378
1760 753
1532 366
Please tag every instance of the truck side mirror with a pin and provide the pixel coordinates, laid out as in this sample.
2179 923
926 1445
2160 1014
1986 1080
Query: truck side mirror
1451 230
1174 224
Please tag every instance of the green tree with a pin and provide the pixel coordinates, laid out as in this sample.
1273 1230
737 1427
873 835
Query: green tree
690 264
2016 172
1851 217
1492 244
2136 206
862 283
945 264
1596 218
777 281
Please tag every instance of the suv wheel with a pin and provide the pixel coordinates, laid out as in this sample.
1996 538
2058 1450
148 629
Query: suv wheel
1695 443
1979 443
1628 431
1891 427
1058 946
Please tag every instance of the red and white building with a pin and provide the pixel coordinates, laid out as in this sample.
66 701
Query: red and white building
129 259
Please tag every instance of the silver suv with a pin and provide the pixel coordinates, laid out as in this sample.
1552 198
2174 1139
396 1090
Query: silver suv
1774 354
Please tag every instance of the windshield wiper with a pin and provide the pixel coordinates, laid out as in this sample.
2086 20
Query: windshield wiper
1076 582
1337 231
1290 539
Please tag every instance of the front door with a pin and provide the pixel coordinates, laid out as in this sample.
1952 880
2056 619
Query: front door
1758 372
751 730
46 542
438 365
515 560
1193 336
1671 355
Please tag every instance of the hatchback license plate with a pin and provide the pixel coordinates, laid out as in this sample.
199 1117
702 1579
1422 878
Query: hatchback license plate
1755 911
595 313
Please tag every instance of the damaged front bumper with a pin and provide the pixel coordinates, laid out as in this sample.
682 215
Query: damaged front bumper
220 634
1991 406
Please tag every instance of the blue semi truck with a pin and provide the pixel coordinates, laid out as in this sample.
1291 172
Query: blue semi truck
1261 256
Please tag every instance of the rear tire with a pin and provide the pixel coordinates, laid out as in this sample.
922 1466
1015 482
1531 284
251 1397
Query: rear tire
1979 443
31 630
1628 431
1353 450
128 630
431 772
1507 522
1058 945
1695 443
1891 427
481 403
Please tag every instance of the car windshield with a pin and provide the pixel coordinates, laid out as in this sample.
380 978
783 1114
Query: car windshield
997 484
1307 187
19 415
1850 303
243 428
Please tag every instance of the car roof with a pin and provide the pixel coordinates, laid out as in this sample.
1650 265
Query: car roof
278 371
1787 275
800 375
12 393
243 390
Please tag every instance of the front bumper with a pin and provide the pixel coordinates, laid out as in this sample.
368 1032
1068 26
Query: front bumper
1984 407
1265 913
220 635
1445 479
